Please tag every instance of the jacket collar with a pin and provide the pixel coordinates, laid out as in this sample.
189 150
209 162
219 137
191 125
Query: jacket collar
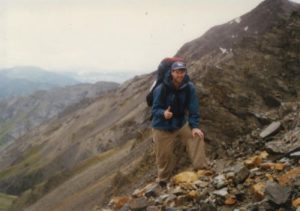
168 81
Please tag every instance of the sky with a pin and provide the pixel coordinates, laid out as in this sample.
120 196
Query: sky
106 35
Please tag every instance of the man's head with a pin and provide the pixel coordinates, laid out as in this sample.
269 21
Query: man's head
178 71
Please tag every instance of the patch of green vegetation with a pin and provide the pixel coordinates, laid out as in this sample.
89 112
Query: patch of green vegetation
32 195
6 201
29 162
7 125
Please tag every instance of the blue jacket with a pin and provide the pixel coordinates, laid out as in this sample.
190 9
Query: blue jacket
184 105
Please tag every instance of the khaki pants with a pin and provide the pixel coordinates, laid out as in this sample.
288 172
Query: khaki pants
164 142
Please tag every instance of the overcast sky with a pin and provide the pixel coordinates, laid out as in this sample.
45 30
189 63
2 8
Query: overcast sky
115 35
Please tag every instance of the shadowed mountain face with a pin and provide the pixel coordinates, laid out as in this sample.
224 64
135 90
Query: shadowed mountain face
21 81
20 114
241 79
246 73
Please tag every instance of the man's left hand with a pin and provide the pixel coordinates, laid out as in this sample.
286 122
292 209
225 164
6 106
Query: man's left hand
197 132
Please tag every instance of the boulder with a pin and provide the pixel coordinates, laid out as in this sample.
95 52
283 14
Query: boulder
241 173
185 177
289 143
276 193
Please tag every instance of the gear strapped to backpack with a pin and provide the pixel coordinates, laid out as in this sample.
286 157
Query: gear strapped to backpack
163 68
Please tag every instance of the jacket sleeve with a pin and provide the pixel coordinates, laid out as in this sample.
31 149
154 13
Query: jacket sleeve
157 109
193 108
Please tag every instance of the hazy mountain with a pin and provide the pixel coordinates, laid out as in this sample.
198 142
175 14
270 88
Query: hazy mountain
21 81
80 159
20 114
97 75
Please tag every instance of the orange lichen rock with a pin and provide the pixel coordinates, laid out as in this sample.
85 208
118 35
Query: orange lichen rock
258 190
296 202
289 176
230 200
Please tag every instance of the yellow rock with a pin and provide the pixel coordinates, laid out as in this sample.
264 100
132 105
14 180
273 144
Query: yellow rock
119 201
277 166
258 190
296 203
253 161
202 173
185 177
289 176
263 155
230 200
193 194
270 177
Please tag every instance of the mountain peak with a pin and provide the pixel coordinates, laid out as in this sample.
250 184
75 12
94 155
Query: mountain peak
261 19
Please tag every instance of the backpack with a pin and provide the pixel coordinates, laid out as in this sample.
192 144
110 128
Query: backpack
163 68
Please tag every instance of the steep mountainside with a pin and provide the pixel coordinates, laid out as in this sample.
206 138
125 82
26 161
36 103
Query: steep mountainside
20 114
79 160
21 81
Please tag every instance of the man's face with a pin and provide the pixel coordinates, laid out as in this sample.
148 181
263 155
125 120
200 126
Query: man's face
178 75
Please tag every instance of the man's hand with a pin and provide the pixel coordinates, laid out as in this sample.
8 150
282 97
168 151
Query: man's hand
197 132
168 114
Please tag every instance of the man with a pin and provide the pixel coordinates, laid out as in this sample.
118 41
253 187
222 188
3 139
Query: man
175 112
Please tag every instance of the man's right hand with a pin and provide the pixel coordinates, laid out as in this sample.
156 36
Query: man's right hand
168 114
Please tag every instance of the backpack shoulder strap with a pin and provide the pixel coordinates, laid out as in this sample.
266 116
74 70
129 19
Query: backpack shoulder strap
163 93
188 91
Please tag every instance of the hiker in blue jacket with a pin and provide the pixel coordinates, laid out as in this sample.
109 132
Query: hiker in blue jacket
175 113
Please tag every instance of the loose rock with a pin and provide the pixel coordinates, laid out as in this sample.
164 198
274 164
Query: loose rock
138 204
219 181
185 177
241 173
271 129
276 193
258 190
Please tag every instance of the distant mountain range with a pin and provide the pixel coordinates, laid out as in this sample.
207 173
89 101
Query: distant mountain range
19 115
25 80
21 81
94 76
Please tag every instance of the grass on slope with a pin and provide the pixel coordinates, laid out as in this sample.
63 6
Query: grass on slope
38 191
6 201
29 162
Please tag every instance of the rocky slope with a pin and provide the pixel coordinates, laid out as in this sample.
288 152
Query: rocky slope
102 149
265 179
19 115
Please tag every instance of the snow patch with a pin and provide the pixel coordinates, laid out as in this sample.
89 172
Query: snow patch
246 28
238 20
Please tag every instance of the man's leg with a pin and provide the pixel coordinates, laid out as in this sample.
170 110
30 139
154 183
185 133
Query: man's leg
164 146
195 147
